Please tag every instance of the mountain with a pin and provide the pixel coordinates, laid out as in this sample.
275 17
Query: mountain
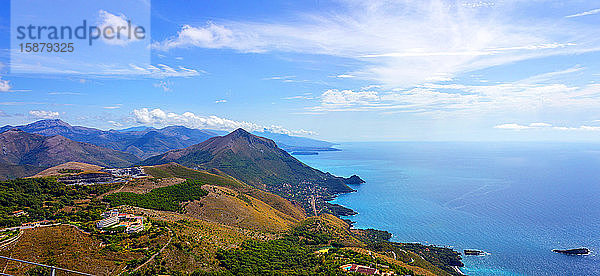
8 171
145 142
137 128
259 162
22 148
141 142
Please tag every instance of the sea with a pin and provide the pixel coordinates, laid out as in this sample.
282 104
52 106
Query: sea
515 201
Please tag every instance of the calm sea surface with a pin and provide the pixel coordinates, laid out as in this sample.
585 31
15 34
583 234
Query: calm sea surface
517 201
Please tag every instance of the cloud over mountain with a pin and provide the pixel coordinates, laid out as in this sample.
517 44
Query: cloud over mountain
158 117
44 114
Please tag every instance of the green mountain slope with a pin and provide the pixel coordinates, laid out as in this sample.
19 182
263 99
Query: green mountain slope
259 162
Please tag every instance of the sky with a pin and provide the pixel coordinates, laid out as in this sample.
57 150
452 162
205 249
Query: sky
402 70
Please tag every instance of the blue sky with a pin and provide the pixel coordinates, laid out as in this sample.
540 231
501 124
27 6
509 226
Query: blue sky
342 71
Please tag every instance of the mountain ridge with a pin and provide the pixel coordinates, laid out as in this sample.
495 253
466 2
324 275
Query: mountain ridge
145 142
259 162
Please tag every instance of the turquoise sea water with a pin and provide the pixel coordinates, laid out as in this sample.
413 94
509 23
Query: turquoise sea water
517 201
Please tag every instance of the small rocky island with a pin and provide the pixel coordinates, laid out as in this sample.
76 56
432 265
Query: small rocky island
575 251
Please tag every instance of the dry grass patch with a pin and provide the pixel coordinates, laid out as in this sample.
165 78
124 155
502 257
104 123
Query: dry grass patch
64 246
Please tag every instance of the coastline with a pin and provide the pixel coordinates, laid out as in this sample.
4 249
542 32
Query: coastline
351 223
457 269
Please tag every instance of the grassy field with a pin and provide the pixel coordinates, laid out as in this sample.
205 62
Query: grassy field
230 207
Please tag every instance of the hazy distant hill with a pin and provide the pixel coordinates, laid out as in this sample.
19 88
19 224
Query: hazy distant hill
8 171
259 162
22 148
294 143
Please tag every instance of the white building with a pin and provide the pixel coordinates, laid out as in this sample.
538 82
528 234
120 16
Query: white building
107 222
134 228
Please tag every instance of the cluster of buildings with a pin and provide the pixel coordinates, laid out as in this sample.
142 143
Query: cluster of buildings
104 176
134 172
114 218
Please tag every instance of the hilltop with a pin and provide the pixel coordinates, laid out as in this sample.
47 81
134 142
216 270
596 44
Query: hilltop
68 167
259 162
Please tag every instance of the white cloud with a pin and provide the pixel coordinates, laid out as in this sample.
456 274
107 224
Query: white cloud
220 101
286 79
164 85
119 26
305 96
158 117
164 71
4 85
461 99
44 114
553 76
522 127
581 128
116 124
280 78
512 126
538 126
348 97
595 11
345 76
210 36
116 106
63 93
436 38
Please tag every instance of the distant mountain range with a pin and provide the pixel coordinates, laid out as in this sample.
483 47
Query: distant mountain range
252 159
21 148
145 142
259 162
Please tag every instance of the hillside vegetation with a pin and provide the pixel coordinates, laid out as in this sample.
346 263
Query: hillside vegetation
260 163
229 207
218 178
45 199
166 198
